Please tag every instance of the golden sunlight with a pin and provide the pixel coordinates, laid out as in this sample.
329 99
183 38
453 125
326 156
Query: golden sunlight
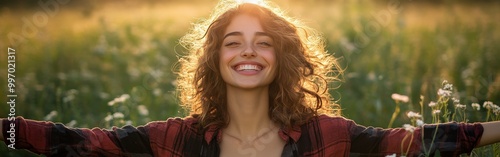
258 2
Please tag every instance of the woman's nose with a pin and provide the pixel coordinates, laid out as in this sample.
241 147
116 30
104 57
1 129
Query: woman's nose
248 52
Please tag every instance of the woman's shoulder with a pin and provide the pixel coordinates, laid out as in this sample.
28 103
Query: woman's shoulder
328 123
176 121
168 136
332 130
175 125
333 120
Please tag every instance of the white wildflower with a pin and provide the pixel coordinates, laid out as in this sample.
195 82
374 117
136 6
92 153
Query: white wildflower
142 110
157 92
128 122
420 122
409 127
120 99
399 97
118 115
455 100
72 92
476 106
460 106
71 124
51 115
393 155
488 104
108 118
412 114
432 104
70 95
111 103
444 92
436 111
448 86
68 98
496 109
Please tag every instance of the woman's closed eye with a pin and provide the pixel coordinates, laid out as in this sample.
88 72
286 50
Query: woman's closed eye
232 44
265 44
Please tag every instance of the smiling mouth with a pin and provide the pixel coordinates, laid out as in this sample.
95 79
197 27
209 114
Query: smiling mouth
248 67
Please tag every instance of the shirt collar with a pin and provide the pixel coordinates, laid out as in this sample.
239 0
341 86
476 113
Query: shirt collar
293 133
211 132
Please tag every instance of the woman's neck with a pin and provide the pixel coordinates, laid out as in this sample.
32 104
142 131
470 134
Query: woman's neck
248 111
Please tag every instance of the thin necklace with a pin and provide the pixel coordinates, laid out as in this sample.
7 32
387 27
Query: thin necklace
249 142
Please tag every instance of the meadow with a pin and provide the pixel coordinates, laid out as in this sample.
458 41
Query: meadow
104 64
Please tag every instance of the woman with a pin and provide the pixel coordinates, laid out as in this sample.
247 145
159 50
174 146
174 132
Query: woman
256 85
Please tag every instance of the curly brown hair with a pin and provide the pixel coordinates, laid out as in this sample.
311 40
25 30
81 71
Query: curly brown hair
304 69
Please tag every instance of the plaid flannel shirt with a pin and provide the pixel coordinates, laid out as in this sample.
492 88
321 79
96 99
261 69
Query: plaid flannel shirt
323 136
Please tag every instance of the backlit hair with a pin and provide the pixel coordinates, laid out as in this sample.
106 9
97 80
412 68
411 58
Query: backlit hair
304 69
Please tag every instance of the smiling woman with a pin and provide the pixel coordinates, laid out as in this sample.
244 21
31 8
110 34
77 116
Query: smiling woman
247 56
256 84
266 39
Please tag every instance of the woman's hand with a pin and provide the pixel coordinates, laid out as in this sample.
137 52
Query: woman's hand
491 134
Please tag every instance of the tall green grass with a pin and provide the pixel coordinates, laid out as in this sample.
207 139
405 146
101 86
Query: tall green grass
88 56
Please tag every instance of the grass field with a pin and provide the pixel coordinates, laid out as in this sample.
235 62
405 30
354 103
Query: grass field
103 64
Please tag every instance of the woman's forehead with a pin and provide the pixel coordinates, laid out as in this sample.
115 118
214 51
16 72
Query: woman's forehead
244 23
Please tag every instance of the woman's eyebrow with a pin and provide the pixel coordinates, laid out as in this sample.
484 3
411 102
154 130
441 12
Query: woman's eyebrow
240 33
233 34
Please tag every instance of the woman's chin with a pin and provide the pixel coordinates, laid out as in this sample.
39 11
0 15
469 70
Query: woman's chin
248 86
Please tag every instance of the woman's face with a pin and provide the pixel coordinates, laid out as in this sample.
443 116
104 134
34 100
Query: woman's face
247 58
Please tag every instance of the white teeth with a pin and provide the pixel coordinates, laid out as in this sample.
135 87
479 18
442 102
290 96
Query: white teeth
248 67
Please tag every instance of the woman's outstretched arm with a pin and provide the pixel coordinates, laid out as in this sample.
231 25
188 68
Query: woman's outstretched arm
49 138
491 133
157 138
